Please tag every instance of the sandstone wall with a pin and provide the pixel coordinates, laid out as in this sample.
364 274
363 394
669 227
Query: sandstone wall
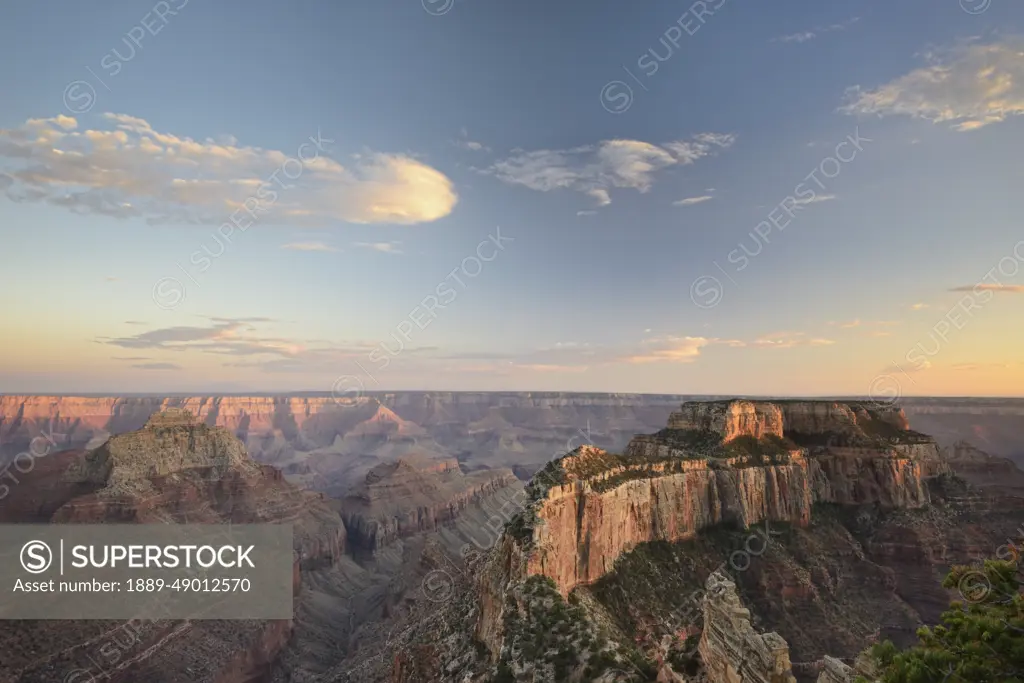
732 419
582 531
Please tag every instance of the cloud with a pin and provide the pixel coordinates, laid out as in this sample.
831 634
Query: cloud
868 323
918 307
586 213
670 349
690 201
796 37
383 247
816 199
130 358
969 86
472 145
970 367
240 338
788 340
308 246
804 36
111 278
224 335
595 170
135 322
989 287
157 366
128 170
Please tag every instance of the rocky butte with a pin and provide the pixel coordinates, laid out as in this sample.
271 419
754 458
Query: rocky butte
173 470
738 462
734 463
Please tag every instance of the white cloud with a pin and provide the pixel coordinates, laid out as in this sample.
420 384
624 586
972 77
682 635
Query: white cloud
690 201
308 246
384 247
131 170
969 86
465 143
595 170
804 36
586 213
816 199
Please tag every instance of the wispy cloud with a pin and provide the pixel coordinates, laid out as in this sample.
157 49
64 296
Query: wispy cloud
804 36
595 170
989 288
308 246
969 86
971 367
788 340
383 247
472 145
690 201
157 366
848 325
129 170
586 213
816 199
669 349
918 307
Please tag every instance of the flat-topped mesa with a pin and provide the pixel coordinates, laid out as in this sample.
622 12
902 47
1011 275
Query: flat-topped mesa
172 442
717 462
805 422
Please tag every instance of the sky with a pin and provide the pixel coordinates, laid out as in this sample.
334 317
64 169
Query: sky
728 196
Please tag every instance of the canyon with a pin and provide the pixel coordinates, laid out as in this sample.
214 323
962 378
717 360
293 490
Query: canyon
329 443
865 514
467 537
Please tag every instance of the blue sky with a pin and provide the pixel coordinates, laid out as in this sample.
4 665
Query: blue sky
129 133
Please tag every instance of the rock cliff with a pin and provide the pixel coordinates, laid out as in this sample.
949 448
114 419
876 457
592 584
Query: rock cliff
732 651
736 463
412 495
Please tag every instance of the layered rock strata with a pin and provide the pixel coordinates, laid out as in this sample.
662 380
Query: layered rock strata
413 495
174 470
591 507
731 650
